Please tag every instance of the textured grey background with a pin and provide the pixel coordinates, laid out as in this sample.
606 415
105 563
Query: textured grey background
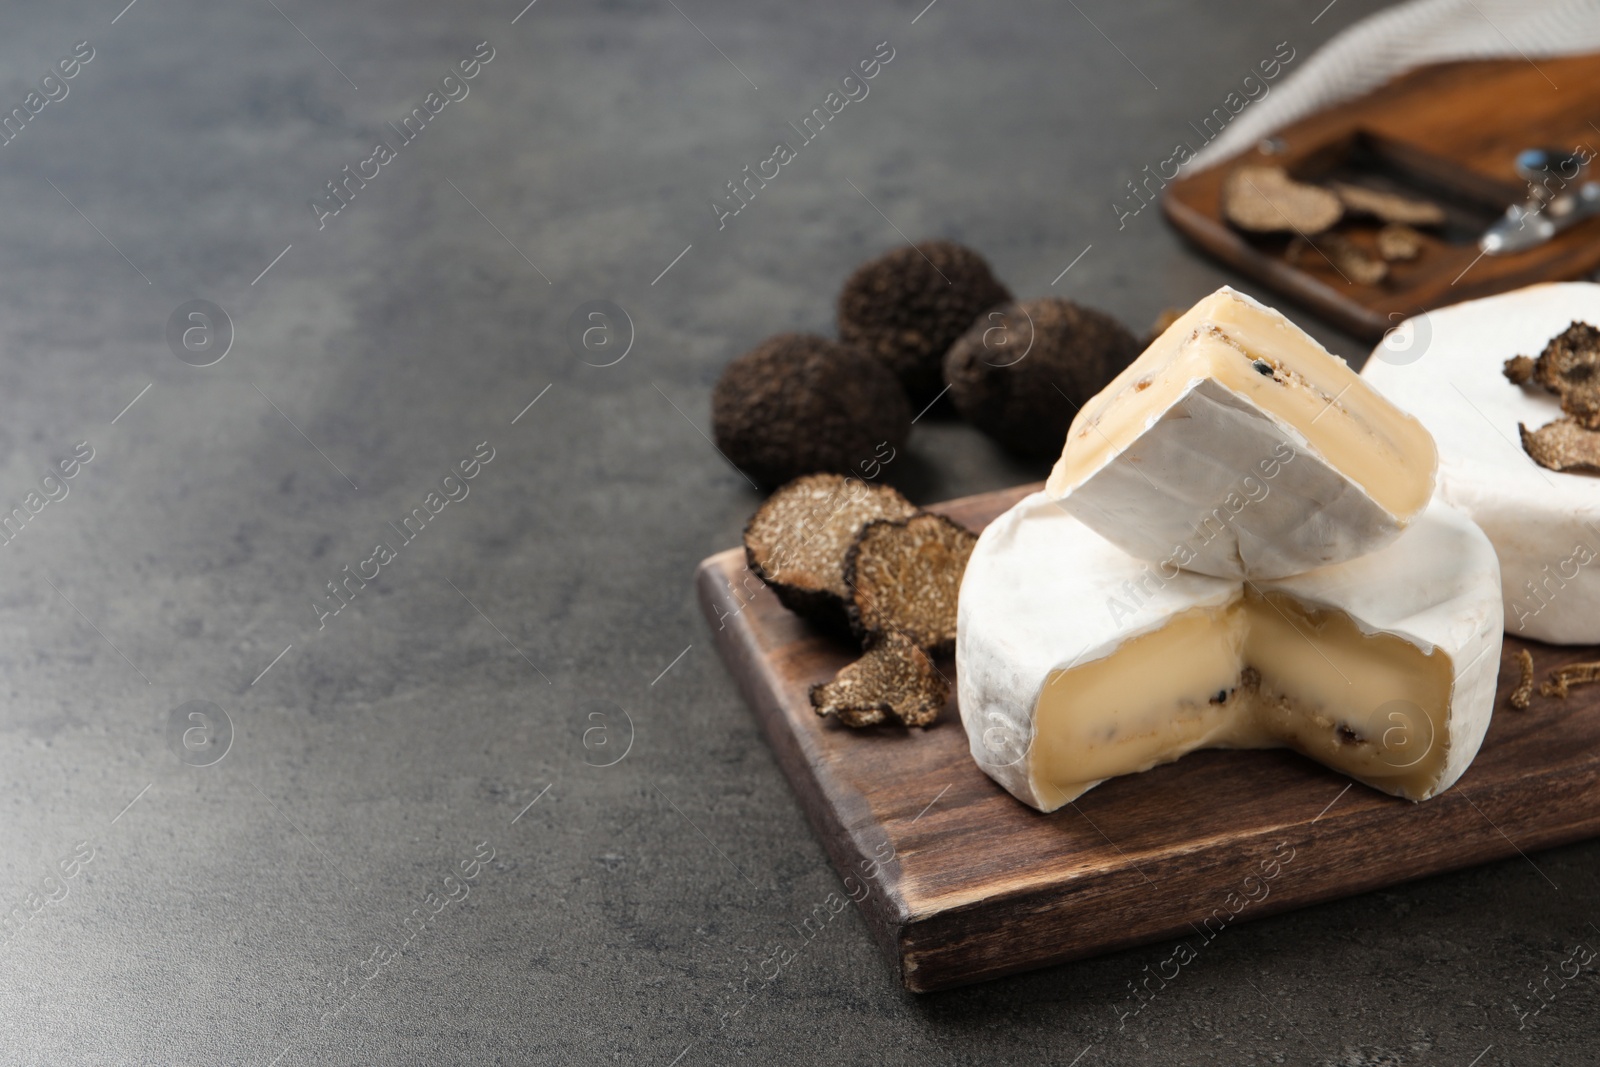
623 912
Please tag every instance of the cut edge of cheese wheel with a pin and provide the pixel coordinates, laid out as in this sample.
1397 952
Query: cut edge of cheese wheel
1382 669
1238 446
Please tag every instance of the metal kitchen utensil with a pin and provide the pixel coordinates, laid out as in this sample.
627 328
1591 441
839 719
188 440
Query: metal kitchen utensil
1558 196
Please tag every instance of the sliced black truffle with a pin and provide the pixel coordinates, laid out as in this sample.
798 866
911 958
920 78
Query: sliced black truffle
1022 379
1266 200
1563 445
1519 370
1336 252
797 403
1388 207
1522 695
1398 241
1569 367
905 577
1563 679
894 682
906 307
797 541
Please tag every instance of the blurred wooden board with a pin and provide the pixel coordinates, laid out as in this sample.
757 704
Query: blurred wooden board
1450 132
980 886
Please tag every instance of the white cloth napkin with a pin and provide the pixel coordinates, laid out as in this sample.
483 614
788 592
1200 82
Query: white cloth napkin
1411 35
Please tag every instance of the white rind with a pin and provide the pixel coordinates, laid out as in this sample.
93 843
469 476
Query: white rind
1035 599
1194 484
1536 518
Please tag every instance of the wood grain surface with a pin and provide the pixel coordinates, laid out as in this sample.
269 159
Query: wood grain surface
1453 131
980 886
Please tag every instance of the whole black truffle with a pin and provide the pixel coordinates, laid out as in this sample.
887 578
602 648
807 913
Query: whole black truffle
1021 377
797 404
908 306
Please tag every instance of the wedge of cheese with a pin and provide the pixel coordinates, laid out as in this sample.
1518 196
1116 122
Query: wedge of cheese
1446 368
1239 447
1078 662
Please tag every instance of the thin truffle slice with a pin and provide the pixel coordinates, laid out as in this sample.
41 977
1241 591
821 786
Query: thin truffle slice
906 579
1353 261
1562 679
1522 695
1563 445
1398 241
906 307
1389 207
797 541
1267 200
797 403
1569 367
894 682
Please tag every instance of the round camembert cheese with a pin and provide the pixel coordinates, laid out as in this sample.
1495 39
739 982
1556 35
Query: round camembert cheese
1446 368
1078 662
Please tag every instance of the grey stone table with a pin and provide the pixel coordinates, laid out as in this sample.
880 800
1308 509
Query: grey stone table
242 829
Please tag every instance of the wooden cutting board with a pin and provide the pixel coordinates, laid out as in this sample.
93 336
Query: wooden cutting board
962 883
1449 133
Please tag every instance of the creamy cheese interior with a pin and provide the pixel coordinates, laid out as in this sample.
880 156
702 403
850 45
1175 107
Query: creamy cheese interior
1262 356
1262 671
